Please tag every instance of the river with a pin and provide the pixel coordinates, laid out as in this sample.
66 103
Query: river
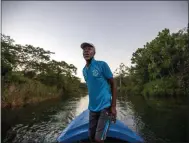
155 121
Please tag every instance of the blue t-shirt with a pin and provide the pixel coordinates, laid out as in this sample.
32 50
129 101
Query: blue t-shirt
96 76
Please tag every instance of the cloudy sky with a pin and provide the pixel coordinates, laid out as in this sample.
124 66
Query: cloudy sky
117 29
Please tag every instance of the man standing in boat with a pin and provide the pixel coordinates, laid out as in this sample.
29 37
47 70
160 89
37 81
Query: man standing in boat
102 93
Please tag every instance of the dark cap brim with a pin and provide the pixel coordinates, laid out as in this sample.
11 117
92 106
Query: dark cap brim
83 45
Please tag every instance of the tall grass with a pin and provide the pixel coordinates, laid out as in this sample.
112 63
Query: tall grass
18 90
29 92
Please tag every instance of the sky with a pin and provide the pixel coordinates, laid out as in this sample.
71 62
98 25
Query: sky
116 29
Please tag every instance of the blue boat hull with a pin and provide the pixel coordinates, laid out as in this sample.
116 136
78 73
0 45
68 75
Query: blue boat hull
77 130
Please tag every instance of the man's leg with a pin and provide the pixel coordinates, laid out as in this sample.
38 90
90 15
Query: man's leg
102 126
93 121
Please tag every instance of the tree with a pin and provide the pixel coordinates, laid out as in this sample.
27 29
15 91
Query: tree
163 61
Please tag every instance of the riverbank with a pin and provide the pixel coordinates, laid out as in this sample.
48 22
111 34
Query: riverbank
18 103
32 92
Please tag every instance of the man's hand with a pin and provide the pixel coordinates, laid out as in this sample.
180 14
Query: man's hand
113 113
113 110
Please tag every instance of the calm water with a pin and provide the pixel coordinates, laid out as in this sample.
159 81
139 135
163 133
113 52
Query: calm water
155 121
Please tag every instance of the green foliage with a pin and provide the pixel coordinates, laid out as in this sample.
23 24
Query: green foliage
161 87
23 65
161 67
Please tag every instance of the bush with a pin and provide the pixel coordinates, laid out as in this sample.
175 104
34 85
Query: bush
161 87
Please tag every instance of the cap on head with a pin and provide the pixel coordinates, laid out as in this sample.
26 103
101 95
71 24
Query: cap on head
85 44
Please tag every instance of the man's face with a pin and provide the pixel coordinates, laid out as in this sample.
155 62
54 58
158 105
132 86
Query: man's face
88 52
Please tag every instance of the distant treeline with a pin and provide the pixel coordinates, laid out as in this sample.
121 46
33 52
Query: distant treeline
28 75
160 68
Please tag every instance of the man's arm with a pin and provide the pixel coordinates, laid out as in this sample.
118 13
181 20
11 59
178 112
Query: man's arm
113 90
109 76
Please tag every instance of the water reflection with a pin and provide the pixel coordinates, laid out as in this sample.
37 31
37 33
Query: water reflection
82 105
45 122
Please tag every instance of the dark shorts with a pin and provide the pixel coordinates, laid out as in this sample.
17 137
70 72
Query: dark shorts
99 124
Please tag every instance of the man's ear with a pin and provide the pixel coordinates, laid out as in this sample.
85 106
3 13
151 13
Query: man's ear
94 51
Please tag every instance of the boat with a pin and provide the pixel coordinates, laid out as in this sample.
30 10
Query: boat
77 132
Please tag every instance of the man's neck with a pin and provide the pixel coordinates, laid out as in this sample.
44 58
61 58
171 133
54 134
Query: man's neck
88 62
